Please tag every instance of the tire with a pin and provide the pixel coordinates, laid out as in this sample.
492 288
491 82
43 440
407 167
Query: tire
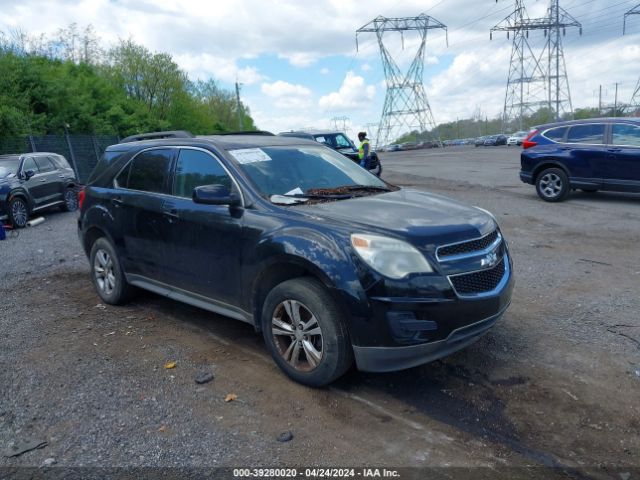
70 200
552 185
377 170
320 342
107 275
18 212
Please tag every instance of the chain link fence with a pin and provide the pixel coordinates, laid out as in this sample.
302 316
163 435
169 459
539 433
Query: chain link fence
82 151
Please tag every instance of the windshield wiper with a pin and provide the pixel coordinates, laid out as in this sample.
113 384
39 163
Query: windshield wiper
352 188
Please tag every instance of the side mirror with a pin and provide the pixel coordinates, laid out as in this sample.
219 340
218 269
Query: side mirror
28 174
215 195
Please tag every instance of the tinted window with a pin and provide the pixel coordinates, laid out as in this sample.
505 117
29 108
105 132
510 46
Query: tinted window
59 161
626 134
149 171
593 134
29 164
196 168
44 164
342 142
556 134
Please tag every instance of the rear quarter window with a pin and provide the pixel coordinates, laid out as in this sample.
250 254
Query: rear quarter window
555 134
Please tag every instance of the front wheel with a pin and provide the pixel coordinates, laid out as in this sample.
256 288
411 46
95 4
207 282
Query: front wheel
552 185
305 333
18 212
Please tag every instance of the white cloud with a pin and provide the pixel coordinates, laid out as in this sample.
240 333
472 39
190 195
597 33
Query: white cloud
299 59
281 88
353 93
365 67
203 66
324 71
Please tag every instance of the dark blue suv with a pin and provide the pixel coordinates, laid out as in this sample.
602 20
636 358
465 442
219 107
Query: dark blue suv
328 261
590 155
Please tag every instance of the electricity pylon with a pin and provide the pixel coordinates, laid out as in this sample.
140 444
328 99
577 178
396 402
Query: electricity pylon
634 103
549 67
406 107
526 84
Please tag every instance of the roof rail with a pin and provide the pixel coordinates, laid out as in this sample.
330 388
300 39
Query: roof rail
158 135
254 132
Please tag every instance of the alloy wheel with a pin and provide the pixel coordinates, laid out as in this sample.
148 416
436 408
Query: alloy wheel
297 335
71 200
19 213
103 272
550 185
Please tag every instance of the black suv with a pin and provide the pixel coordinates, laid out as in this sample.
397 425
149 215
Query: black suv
339 142
327 260
34 181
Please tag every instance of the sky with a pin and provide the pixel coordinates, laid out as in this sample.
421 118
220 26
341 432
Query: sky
298 65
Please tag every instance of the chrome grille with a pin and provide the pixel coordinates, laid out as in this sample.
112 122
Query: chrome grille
467 247
482 281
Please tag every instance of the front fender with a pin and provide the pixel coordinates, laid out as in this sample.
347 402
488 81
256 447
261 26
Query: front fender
322 255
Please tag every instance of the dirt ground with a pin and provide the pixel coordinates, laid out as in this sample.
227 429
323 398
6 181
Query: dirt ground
553 387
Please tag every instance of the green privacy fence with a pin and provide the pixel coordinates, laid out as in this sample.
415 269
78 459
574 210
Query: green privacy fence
82 151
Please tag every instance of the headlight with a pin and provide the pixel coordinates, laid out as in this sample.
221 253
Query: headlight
388 256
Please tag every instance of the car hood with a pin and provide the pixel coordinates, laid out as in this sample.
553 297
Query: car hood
419 217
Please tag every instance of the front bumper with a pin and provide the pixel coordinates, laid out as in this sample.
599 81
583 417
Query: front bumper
526 177
389 359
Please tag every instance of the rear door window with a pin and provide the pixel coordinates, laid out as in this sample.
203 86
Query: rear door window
148 171
196 168
625 134
592 134
44 164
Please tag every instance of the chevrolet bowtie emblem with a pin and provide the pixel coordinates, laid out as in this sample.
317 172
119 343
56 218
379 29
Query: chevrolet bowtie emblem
489 260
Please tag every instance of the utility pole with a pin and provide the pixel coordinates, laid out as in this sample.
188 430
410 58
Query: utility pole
600 101
634 103
615 102
239 108
406 107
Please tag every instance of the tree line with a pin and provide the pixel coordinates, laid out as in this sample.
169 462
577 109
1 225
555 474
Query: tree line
67 83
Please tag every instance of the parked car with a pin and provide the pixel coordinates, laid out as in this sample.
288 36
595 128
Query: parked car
494 140
32 182
329 262
590 155
408 146
516 138
339 142
394 147
479 141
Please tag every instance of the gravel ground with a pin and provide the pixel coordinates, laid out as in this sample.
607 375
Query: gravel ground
555 384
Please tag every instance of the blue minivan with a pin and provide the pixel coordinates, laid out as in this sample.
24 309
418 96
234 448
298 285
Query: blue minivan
590 155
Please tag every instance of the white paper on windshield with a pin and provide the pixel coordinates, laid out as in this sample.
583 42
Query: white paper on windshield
250 155
295 191
282 200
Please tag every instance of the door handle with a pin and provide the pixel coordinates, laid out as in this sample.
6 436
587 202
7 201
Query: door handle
42 180
614 150
171 214
117 202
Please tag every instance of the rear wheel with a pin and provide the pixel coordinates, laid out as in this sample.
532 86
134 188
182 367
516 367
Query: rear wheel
305 333
18 212
552 185
70 200
377 168
107 275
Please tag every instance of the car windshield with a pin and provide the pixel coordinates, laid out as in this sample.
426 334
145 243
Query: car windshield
303 170
9 166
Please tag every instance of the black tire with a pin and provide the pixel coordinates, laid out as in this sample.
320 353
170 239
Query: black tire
18 212
323 352
377 169
70 200
107 275
552 185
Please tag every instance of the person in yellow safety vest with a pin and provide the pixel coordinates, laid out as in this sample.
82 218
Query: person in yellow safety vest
364 150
